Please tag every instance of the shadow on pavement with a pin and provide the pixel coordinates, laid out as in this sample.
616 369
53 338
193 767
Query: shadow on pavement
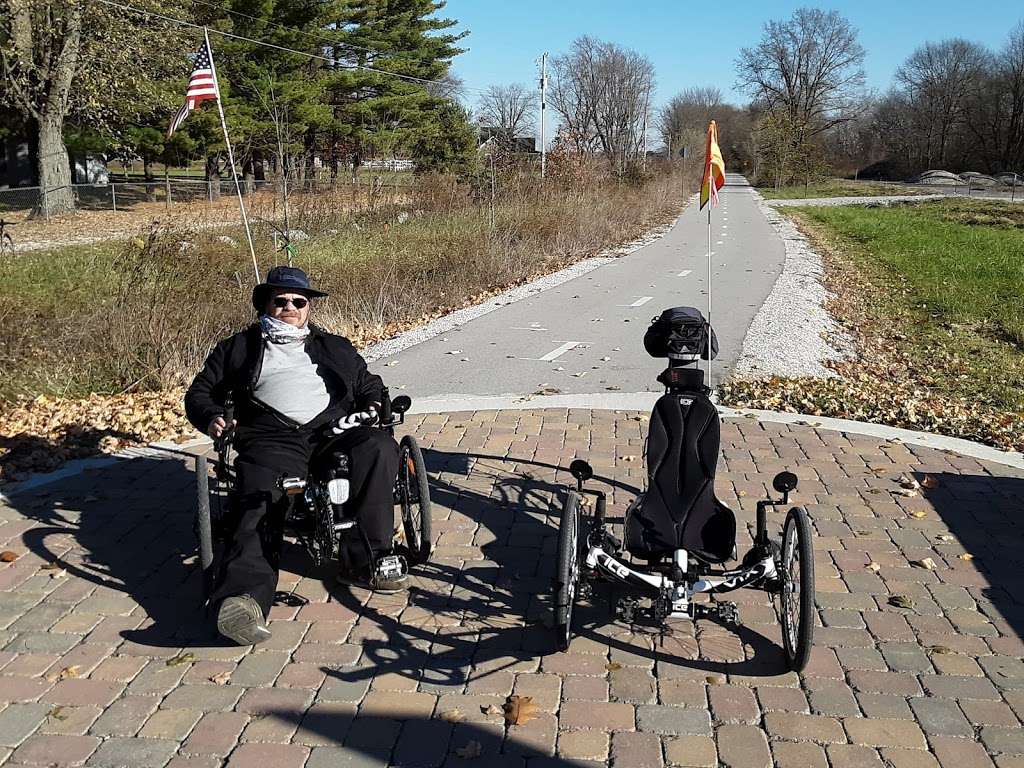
985 516
417 742
126 529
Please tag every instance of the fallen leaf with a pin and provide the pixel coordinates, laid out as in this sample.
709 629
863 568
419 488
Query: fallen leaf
67 673
929 481
873 567
54 565
918 513
7 556
629 458
221 678
520 710
713 680
944 537
613 666
908 482
493 709
57 713
908 493
902 601
941 649
966 556
182 658
470 751
925 562
452 716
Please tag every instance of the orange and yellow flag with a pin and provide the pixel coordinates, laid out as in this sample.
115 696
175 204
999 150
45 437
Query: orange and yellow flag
714 169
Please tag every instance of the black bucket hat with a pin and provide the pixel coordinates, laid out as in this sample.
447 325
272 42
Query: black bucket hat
286 278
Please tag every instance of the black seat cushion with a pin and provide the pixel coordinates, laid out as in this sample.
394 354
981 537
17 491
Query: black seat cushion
679 509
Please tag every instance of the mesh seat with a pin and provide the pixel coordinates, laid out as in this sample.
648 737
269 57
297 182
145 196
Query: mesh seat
679 509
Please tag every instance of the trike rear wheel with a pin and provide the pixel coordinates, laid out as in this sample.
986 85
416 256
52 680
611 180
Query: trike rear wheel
796 575
567 576
414 497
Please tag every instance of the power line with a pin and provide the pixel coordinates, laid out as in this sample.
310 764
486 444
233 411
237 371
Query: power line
330 60
310 35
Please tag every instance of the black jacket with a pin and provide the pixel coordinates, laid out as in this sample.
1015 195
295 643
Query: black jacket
233 368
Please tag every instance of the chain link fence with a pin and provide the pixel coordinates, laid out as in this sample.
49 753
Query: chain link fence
18 203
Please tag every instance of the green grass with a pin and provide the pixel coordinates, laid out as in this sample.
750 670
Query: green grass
931 295
835 188
964 260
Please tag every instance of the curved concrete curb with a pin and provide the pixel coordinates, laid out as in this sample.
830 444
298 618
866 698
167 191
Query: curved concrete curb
604 401
643 401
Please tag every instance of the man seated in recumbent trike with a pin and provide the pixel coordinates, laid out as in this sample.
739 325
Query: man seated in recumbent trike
295 389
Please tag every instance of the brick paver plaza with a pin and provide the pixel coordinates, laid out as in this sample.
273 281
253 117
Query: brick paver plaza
353 680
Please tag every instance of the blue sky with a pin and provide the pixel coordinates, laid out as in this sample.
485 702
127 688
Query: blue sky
695 43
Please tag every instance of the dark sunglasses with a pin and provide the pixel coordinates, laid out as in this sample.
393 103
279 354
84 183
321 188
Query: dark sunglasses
283 301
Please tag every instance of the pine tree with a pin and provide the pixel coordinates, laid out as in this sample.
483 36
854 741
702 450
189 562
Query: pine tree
378 113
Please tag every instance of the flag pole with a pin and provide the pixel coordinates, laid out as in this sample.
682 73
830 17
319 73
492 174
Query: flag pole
231 157
711 204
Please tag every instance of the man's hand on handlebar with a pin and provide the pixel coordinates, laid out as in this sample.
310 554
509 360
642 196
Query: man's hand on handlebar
218 426
361 418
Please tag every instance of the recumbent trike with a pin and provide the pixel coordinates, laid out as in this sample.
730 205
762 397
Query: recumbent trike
317 515
678 528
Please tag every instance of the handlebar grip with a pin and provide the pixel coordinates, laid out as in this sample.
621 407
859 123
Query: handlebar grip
385 407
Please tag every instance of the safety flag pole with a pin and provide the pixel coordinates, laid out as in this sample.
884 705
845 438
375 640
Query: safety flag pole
712 181
711 381
231 159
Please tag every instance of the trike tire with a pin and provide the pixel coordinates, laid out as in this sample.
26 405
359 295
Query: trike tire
796 574
414 487
204 524
567 574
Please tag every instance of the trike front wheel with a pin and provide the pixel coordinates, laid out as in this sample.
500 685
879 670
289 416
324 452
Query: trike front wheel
567 576
796 578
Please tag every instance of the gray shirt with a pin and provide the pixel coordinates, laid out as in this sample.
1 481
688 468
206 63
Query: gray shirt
289 382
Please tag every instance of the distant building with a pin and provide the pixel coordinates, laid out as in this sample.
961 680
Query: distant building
17 162
491 139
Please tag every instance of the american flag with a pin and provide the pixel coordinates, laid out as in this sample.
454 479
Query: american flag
201 86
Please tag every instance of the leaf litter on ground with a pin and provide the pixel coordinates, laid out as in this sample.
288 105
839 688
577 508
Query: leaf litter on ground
520 710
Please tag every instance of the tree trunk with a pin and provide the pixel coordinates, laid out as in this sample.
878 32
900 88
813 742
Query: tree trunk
248 178
213 176
147 173
57 196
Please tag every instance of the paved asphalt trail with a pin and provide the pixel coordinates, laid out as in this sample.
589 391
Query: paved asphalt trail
552 338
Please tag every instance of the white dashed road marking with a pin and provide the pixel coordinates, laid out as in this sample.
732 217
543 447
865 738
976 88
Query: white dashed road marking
559 351
641 301
685 272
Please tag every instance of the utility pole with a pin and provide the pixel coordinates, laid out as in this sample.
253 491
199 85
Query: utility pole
543 107
643 149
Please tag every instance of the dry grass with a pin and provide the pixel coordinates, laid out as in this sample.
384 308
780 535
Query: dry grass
113 317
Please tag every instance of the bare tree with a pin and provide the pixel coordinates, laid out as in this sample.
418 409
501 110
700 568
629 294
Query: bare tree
684 120
602 92
997 107
807 71
509 110
938 81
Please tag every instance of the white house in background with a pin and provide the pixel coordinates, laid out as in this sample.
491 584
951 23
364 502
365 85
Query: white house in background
90 169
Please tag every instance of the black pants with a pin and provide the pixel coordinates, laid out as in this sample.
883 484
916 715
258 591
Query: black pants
255 520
